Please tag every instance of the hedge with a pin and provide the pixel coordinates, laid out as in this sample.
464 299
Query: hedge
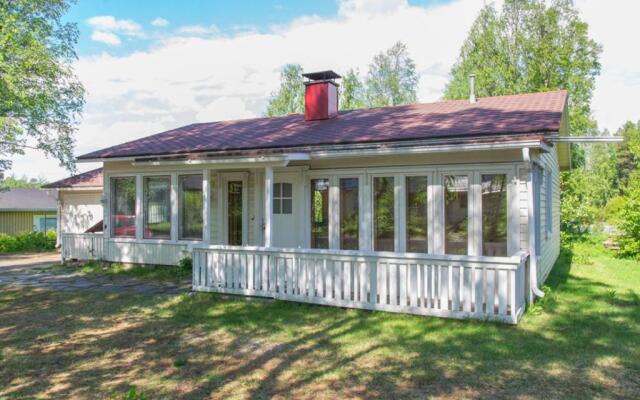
28 241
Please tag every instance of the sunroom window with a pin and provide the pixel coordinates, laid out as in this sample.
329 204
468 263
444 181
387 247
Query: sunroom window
417 215
123 207
319 213
383 214
494 215
157 207
349 222
190 207
456 216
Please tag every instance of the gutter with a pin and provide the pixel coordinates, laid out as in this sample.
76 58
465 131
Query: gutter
533 261
336 151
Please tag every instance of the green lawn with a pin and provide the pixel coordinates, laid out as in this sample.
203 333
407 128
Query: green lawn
582 341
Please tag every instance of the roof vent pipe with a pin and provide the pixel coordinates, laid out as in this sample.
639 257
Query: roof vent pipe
472 88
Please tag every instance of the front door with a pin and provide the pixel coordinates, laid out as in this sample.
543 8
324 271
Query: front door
286 207
235 209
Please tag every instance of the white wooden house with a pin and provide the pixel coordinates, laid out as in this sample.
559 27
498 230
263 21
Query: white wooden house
448 209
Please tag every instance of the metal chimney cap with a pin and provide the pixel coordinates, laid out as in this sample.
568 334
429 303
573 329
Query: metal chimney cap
321 75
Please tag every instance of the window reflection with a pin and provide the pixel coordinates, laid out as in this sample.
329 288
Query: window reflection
456 195
494 215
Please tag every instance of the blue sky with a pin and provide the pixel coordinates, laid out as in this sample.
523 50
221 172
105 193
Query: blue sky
150 66
226 16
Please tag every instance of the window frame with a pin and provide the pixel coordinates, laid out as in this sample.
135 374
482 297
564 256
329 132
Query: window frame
549 201
308 207
280 199
137 179
397 245
178 204
171 200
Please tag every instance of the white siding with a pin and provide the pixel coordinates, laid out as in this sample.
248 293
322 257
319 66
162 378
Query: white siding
80 210
550 244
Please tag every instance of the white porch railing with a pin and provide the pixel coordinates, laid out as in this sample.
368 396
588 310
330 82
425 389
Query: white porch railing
491 288
82 246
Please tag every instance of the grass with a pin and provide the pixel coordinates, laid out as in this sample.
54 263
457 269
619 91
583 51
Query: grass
160 273
581 341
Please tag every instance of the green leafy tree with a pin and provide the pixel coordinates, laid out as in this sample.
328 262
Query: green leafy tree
290 96
392 79
12 182
352 94
40 97
530 47
628 151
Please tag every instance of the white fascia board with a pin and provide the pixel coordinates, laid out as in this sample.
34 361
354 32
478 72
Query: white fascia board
274 160
587 139
426 149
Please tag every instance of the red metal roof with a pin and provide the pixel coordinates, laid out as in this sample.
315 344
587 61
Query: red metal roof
91 178
516 114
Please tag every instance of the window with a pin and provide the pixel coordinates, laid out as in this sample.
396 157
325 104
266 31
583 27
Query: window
157 207
123 207
282 198
537 204
349 214
319 213
456 197
43 223
417 214
549 203
494 215
383 214
234 213
190 207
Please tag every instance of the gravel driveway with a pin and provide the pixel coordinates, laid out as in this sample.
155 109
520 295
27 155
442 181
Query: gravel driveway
35 270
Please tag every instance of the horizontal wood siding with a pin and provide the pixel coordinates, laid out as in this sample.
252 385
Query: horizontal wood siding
550 239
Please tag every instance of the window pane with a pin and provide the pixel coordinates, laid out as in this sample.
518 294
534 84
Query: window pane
286 190
349 214
234 204
277 190
494 215
383 218
157 207
456 194
417 216
276 206
287 206
123 207
190 207
319 213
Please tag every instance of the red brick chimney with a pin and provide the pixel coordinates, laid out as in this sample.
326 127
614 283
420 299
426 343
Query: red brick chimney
320 95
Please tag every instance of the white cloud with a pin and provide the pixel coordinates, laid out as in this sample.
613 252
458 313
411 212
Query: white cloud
160 22
198 30
201 74
105 37
106 29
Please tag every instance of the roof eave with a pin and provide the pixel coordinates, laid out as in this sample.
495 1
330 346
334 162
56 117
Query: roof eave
437 145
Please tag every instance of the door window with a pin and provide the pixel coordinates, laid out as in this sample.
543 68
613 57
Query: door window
234 211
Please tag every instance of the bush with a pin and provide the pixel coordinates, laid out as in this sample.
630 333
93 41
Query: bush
28 241
578 211
630 224
185 264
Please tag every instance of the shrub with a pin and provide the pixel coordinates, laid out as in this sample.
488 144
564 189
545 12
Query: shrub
578 211
28 241
185 264
630 224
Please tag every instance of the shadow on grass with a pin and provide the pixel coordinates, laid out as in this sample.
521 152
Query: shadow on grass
77 344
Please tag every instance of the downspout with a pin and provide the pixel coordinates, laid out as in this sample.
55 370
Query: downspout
533 258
